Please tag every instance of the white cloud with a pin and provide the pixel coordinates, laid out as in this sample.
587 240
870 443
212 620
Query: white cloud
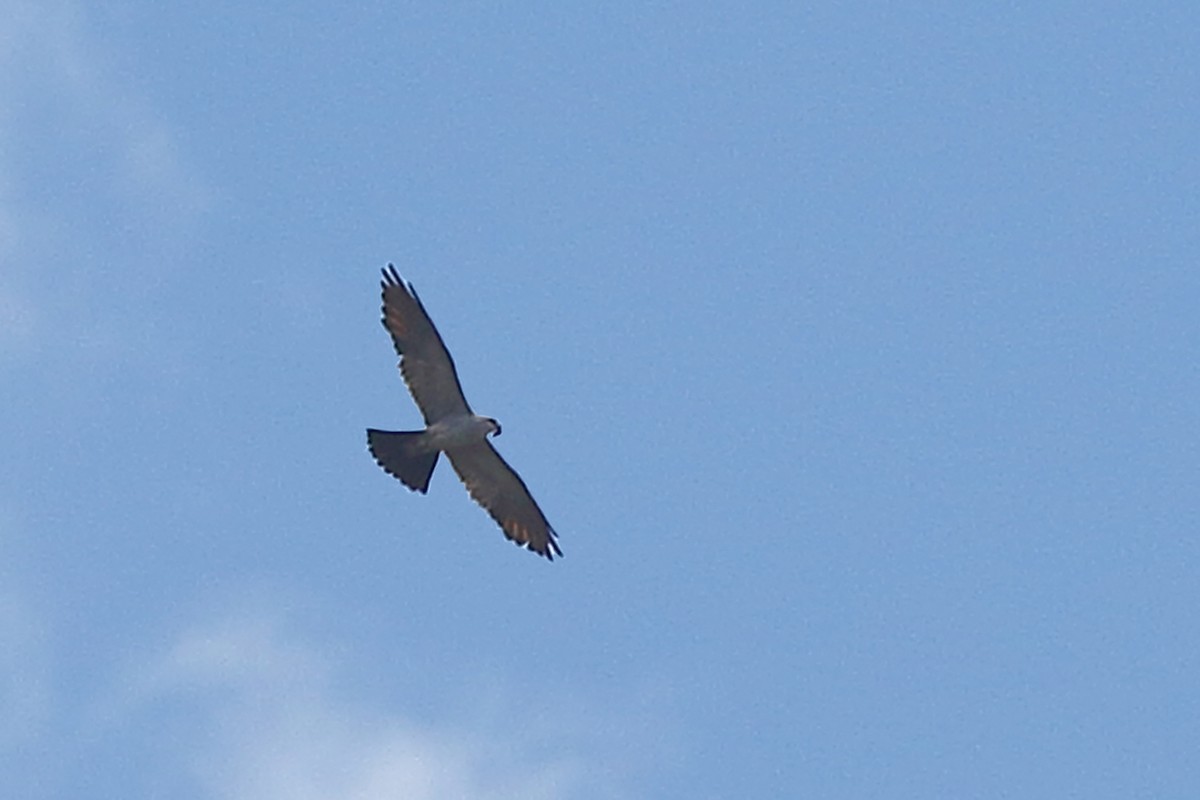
92 175
55 78
86 162
270 723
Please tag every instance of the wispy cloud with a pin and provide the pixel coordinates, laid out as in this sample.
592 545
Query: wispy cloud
58 89
92 175
275 724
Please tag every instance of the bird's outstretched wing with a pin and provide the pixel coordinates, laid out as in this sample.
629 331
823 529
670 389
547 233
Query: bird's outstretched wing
425 363
494 485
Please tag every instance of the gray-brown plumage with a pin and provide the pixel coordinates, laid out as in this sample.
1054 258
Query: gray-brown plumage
450 427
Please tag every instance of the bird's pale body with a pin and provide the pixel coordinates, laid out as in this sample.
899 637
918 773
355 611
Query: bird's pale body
459 431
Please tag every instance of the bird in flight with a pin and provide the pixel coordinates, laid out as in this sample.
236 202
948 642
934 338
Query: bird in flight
450 427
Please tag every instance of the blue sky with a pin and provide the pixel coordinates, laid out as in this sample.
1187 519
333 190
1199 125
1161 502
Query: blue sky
851 349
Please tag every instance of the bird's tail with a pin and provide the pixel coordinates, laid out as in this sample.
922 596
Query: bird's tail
402 456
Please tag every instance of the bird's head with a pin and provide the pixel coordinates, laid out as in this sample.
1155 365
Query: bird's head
495 426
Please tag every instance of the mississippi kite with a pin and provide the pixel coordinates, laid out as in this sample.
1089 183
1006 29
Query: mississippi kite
450 427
